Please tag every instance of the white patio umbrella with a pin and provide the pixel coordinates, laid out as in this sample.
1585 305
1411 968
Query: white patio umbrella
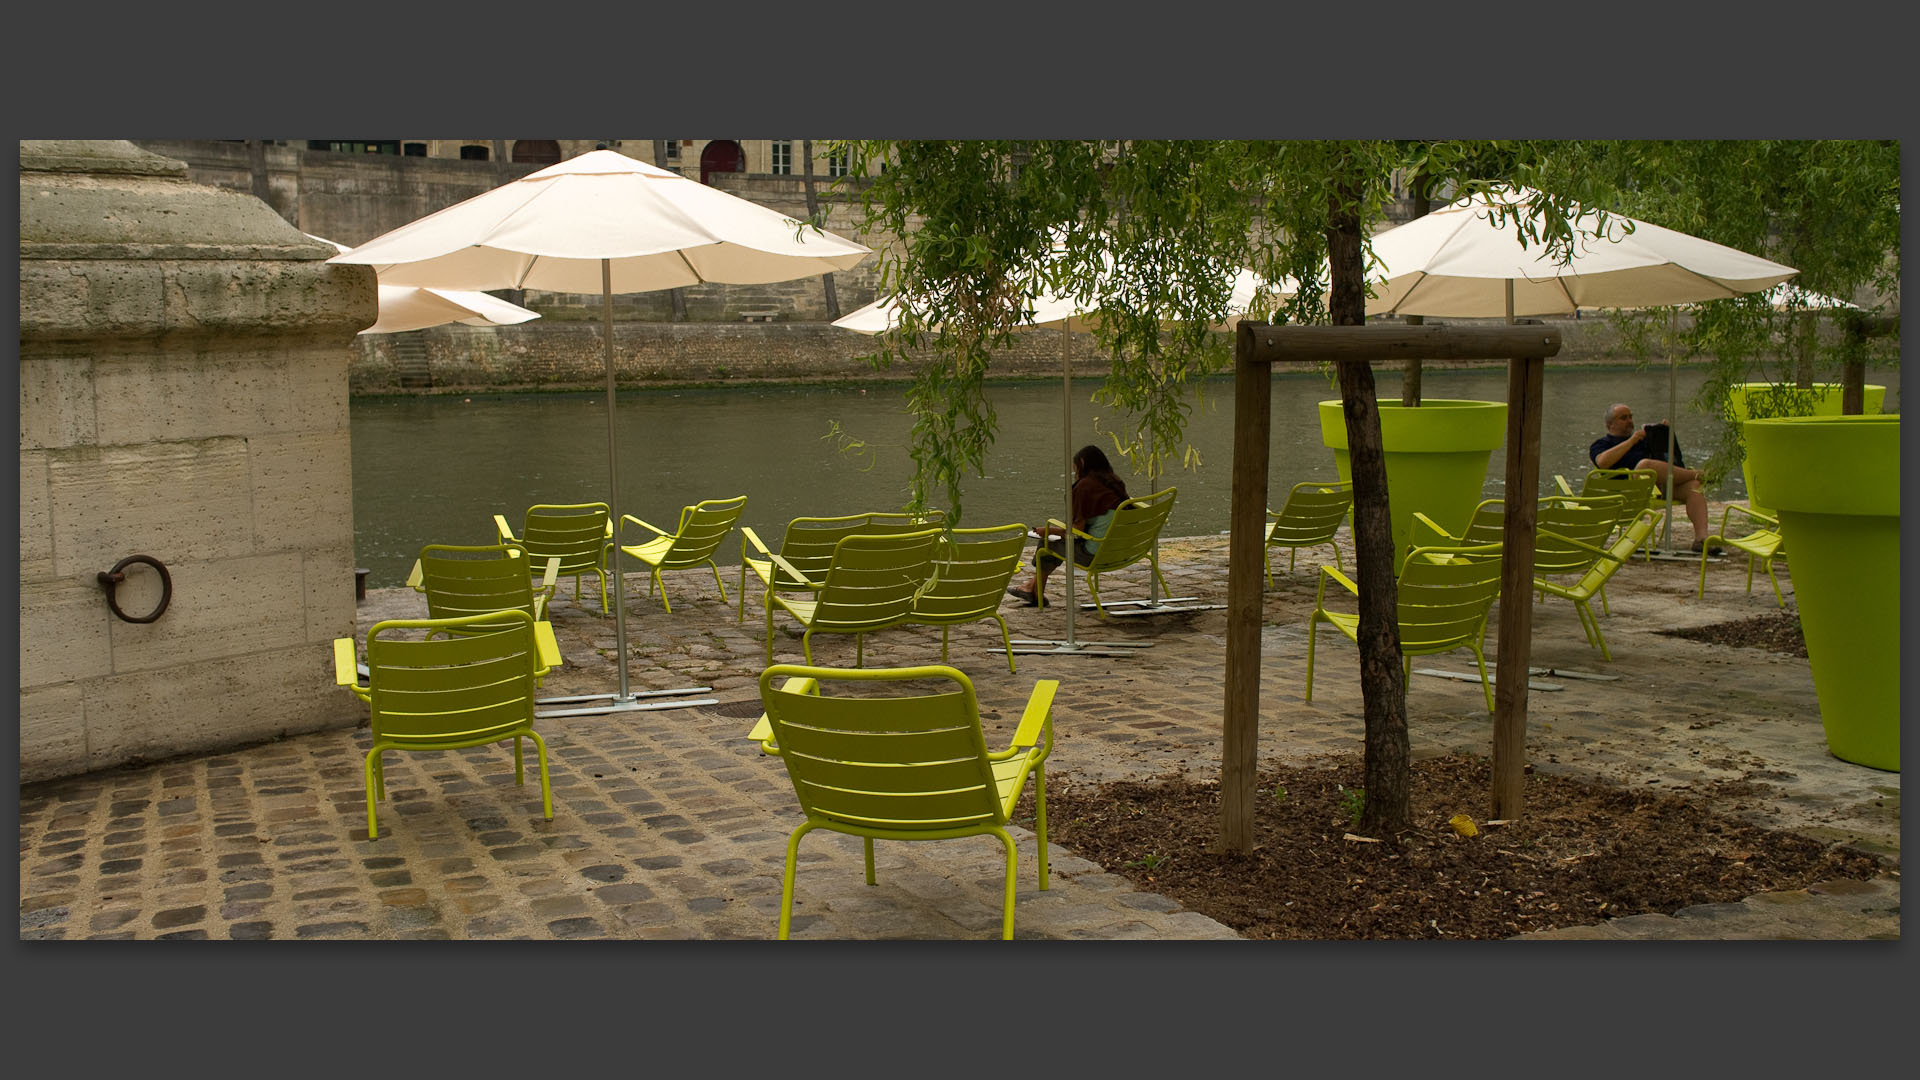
885 313
408 307
1455 261
603 222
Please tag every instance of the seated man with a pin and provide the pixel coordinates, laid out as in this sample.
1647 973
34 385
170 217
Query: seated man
1620 448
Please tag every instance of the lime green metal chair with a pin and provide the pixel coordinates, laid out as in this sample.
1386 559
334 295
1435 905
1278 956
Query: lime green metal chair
468 580
1639 491
1310 517
872 583
1761 542
970 580
905 766
1486 525
447 693
808 546
702 528
579 533
1445 594
1131 537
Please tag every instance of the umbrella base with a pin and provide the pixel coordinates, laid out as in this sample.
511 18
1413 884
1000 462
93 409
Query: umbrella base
1171 605
638 701
1043 647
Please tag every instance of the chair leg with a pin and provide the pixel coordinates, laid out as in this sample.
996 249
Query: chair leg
786 879
1598 637
663 590
869 855
1313 625
1040 820
1164 587
373 784
519 768
769 632
1267 557
859 651
943 644
1006 917
546 784
1778 597
717 582
806 646
1484 684
1006 640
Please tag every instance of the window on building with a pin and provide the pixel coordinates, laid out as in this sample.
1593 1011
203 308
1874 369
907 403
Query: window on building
837 163
473 152
782 157
414 149
673 149
356 146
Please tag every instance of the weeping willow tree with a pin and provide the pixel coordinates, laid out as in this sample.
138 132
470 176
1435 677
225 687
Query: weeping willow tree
1828 208
1150 232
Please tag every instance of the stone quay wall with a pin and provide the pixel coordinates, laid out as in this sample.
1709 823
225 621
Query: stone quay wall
569 355
183 394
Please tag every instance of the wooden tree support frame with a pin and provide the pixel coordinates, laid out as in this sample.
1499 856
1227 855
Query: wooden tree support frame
1259 346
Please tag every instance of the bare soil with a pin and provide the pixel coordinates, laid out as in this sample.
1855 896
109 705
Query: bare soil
1583 852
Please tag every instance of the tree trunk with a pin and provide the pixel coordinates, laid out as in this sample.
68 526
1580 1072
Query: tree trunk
1386 812
813 214
1410 386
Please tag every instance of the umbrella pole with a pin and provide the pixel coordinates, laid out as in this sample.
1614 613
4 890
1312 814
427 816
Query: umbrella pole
626 700
613 482
1069 647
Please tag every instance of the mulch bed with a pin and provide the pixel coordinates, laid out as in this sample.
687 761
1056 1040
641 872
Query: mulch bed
1776 631
1582 853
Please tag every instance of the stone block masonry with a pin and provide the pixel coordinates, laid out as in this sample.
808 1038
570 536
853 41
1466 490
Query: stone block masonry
184 357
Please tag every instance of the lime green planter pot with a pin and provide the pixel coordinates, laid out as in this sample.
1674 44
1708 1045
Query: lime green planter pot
1437 457
1825 403
1835 481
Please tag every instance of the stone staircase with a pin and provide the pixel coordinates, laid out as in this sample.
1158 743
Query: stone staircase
410 360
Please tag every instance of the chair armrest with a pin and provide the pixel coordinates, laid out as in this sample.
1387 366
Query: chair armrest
657 531
346 666
1038 718
1581 544
552 575
416 578
762 732
792 570
1320 594
1442 538
505 530
547 646
1561 483
748 536
1760 516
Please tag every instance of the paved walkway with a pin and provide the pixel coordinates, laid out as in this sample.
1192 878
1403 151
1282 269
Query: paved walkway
670 825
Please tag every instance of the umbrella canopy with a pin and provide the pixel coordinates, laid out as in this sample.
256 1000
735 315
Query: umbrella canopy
1456 262
552 229
603 222
408 307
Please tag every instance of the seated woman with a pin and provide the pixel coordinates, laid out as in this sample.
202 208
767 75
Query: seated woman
1097 493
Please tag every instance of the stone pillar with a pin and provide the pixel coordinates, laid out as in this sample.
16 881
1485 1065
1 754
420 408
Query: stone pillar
183 395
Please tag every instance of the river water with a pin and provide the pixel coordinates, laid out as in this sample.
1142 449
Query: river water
436 469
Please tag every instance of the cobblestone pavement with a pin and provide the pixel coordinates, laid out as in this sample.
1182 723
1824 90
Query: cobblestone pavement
670 825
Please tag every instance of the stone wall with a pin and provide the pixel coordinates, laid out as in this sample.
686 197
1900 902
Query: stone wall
183 395
553 354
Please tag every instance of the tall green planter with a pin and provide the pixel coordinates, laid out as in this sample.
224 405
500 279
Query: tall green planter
1437 455
1826 403
1835 481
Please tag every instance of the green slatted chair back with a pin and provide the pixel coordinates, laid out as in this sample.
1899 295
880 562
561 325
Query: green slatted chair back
1638 489
1311 516
971 576
1571 533
810 543
1445 594
471 687
703 526
1130 539
471 580
898 754
576 532
871 584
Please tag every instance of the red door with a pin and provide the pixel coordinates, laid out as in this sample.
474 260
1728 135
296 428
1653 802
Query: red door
722 155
